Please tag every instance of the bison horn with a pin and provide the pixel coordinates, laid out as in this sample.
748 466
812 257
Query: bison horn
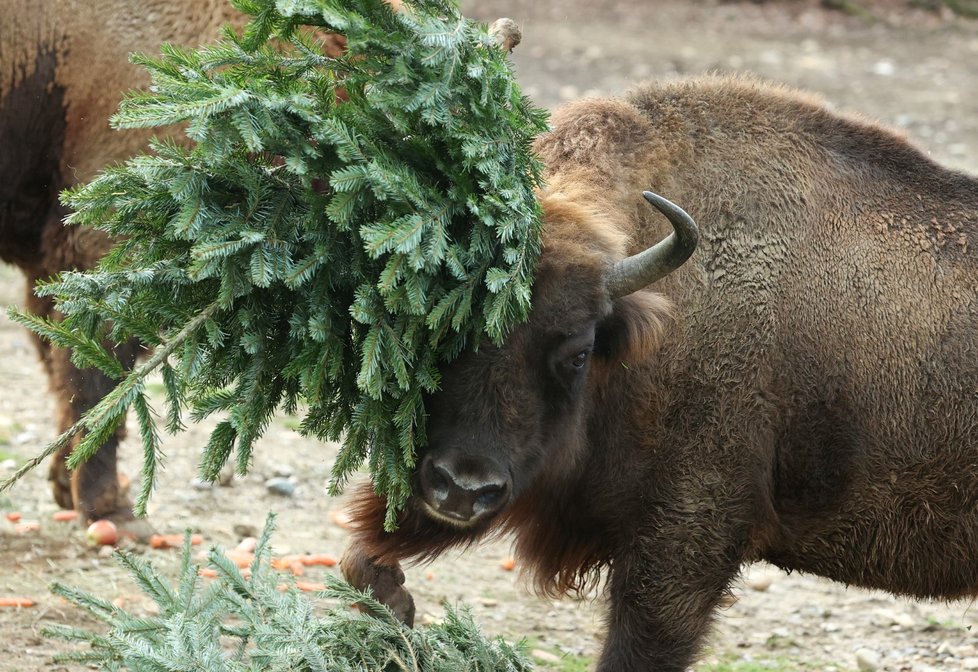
642 269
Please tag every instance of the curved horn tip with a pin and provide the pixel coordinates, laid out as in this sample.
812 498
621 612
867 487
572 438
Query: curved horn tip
667 207
642 269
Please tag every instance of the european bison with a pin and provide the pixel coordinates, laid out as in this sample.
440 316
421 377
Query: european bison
803 391
63 70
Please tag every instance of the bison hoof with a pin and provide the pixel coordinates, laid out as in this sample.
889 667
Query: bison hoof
386 582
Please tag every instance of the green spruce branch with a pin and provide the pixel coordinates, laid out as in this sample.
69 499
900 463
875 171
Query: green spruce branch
236 623
334 228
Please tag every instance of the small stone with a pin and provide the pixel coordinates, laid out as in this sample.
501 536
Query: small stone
904 619
27 436
760 582
884 68
892 617
867 660
8 465
545 656
226 478
569 92
488 602
282 471
283 487
242 530
429 619
200 484
969 664
593 52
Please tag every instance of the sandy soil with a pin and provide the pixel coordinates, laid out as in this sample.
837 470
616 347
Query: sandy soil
911 69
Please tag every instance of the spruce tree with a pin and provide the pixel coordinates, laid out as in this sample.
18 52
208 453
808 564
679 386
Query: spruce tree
330 232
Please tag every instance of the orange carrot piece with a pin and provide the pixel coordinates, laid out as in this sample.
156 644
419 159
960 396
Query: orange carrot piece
160 541
239 558
14 516
64 516
508 563
11 601
286 561
309 586
319 559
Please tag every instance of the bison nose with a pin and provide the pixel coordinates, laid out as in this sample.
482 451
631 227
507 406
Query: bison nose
463 492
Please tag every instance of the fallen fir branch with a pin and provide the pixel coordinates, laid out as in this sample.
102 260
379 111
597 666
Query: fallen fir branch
334 229
233 623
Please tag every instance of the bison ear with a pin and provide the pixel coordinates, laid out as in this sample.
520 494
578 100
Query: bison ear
634 329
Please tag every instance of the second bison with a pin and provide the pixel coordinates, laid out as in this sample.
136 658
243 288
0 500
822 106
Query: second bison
63 71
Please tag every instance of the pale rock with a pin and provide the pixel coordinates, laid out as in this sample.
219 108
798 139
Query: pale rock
867 660
27 436
759 582
429 619
282 470
569 92
244 530
283 487
545 656
884 68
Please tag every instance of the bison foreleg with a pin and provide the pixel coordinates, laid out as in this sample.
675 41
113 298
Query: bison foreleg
663 593
386 581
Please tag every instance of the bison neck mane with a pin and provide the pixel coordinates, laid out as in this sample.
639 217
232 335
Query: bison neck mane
559 544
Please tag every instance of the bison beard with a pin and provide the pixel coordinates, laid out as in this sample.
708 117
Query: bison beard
801 392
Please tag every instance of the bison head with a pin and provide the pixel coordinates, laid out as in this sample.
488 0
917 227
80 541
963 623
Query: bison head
512 416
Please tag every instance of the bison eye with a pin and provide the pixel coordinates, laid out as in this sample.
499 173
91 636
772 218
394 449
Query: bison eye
567 361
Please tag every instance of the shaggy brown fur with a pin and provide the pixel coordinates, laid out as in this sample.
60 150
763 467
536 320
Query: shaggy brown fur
802 391
63 69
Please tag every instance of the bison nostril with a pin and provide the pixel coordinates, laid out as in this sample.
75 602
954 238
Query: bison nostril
490 498
439 484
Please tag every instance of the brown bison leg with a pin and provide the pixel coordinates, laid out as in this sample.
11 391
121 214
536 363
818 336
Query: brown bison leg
93 488
663 596
386 581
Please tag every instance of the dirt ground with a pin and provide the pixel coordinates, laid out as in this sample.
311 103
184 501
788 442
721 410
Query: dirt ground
911 69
